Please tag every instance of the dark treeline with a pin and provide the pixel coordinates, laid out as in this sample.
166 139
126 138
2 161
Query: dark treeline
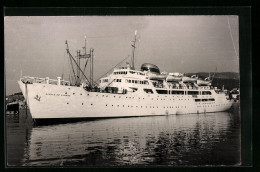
229 84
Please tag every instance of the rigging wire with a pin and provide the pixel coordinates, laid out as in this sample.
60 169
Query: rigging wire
64 61
232 36
112 68
72 65
85 67
71 57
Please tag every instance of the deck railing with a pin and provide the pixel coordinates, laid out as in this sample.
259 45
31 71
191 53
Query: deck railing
47 80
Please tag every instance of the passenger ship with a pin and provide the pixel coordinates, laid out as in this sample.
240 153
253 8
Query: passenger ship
126 92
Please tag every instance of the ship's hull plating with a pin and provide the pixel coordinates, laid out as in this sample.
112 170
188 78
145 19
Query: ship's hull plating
47 101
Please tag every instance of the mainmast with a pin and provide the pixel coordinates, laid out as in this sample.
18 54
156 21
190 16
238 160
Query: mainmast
133 52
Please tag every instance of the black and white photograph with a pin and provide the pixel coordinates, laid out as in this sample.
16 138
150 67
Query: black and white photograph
122 91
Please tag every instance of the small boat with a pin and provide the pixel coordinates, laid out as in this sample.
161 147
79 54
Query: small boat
189 79
153 76
171 78
203 82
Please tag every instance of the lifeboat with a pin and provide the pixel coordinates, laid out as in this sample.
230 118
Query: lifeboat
189 79
176 74
171 78
203 82
153 76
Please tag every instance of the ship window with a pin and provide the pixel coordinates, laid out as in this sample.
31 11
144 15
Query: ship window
177 92
136 81
211 99
204 100
133 81
162 91
146 82
197 100
206 93
193 92
149 91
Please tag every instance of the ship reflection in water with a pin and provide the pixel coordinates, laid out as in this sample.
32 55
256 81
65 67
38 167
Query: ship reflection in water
174 140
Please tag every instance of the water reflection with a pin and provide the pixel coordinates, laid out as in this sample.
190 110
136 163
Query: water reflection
193 139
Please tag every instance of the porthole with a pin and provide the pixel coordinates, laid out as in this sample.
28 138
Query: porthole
73 93
112 105
88 94
91 104
80 93
67 102
82 103
106 104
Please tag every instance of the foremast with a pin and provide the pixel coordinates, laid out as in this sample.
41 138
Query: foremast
78 73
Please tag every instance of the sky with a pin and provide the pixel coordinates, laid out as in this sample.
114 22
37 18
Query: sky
35 45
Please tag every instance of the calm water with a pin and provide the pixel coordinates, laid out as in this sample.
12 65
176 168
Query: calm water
174 140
